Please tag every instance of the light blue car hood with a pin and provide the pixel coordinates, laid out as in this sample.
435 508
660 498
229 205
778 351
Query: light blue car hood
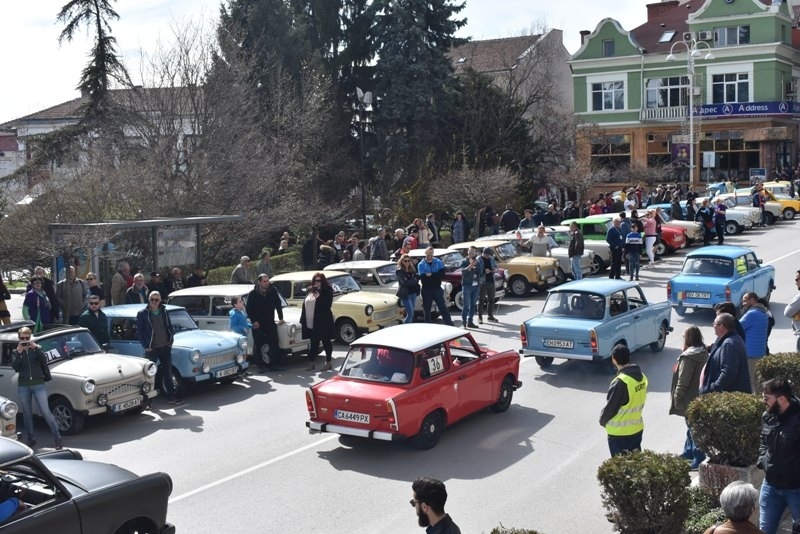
206 341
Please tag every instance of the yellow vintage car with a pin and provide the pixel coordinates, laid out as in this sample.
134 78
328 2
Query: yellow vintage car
524 272
779 192
355 312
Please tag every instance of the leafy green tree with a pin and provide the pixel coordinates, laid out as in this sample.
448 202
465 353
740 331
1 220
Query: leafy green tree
104 63
413 82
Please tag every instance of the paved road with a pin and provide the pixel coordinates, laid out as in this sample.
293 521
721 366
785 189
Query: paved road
242 461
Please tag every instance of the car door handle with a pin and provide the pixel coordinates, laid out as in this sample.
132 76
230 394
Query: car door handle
636 316
211 322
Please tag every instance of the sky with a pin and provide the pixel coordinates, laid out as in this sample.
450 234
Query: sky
37 73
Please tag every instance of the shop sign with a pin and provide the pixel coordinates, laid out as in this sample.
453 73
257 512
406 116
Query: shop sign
739 109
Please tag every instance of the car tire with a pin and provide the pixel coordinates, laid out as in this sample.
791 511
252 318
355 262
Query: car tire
561 276
770 218
177 381
544 361
430 431
789 214
138 526
458 300
505 396
597 265
731 227
346 331
680 310
69 421
660 248
658 344
519 286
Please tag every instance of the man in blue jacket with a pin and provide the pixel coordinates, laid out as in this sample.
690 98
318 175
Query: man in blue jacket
726 369
156 335
755 323
431 271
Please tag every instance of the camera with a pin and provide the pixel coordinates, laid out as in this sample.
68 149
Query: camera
25 343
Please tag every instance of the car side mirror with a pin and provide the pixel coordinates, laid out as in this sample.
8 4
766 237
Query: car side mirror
760 261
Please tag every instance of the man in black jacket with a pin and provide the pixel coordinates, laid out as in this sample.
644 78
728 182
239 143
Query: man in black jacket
779 455
262 304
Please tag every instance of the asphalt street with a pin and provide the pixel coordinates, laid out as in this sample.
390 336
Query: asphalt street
242 460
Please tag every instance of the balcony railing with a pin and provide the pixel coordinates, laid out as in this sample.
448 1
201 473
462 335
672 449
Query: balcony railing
674 113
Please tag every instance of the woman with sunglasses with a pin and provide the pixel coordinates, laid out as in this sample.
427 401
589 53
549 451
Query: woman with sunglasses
95 289
316 318
36 306
407 285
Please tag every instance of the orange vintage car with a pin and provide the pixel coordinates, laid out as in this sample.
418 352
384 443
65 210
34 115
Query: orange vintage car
410 381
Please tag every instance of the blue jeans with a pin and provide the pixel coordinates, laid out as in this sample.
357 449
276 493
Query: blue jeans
690 450
577 273
27 394
429 296
620 444
410 304
773 502
470 293
634 262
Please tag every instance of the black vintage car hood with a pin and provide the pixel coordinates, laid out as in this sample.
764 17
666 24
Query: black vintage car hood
81 476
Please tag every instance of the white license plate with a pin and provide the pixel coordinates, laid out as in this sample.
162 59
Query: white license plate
127 405
351 416
226 372
697 295
558 343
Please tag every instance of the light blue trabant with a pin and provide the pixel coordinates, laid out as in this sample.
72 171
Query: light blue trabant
714 274
197 355
583 320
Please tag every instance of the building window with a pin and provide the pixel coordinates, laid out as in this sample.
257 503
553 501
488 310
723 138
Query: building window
667 92
608 48
612 152
732 36
727 88
608 96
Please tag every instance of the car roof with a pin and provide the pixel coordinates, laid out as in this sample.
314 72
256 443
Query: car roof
361 264
15 325
307 275
479 244
590 219
130 310
219 290
12 451
412 337
595 285
436 252
725 251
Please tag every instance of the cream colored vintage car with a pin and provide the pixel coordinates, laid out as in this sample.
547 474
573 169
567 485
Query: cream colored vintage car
8 418
524 272
355 312
209 306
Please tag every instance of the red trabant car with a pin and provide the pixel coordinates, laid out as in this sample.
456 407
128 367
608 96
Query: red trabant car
410 381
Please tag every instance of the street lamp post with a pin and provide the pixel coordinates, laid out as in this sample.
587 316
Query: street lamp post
692 47
364 100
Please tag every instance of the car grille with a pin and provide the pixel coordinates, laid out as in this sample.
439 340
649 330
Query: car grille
385 315
220 359
544 274
118 391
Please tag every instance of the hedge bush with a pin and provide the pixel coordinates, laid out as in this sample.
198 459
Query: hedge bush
511 530
646 492
704 511
780 365
281 263
727 426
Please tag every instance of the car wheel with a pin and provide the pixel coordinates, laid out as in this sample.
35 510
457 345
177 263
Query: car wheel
597 265
731 227
138 526
458 300
544 361
177 383
69 421
430 431
506 394
770 218
561 276
680 310
789 213
346 330
658 344
519 286
660 248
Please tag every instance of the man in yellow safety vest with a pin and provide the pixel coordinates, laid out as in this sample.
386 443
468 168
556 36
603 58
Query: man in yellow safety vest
622 414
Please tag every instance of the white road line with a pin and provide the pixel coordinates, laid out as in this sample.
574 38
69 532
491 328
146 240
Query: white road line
782 257
250 469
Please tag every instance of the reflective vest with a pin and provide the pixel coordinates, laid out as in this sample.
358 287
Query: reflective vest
628 420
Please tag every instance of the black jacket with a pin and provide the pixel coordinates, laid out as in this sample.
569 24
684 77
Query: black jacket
262 308
779 452
323 316
407 283
31 366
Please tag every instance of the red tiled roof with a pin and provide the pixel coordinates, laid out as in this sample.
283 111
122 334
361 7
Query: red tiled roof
491 55
675 19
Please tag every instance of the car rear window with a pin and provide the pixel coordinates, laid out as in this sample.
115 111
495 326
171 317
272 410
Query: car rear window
575 304
708 266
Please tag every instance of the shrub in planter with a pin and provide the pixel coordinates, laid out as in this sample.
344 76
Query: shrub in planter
646 492
511 530
704 510
780 365
727 427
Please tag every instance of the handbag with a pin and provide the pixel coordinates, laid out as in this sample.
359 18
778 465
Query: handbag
709 224
46 372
